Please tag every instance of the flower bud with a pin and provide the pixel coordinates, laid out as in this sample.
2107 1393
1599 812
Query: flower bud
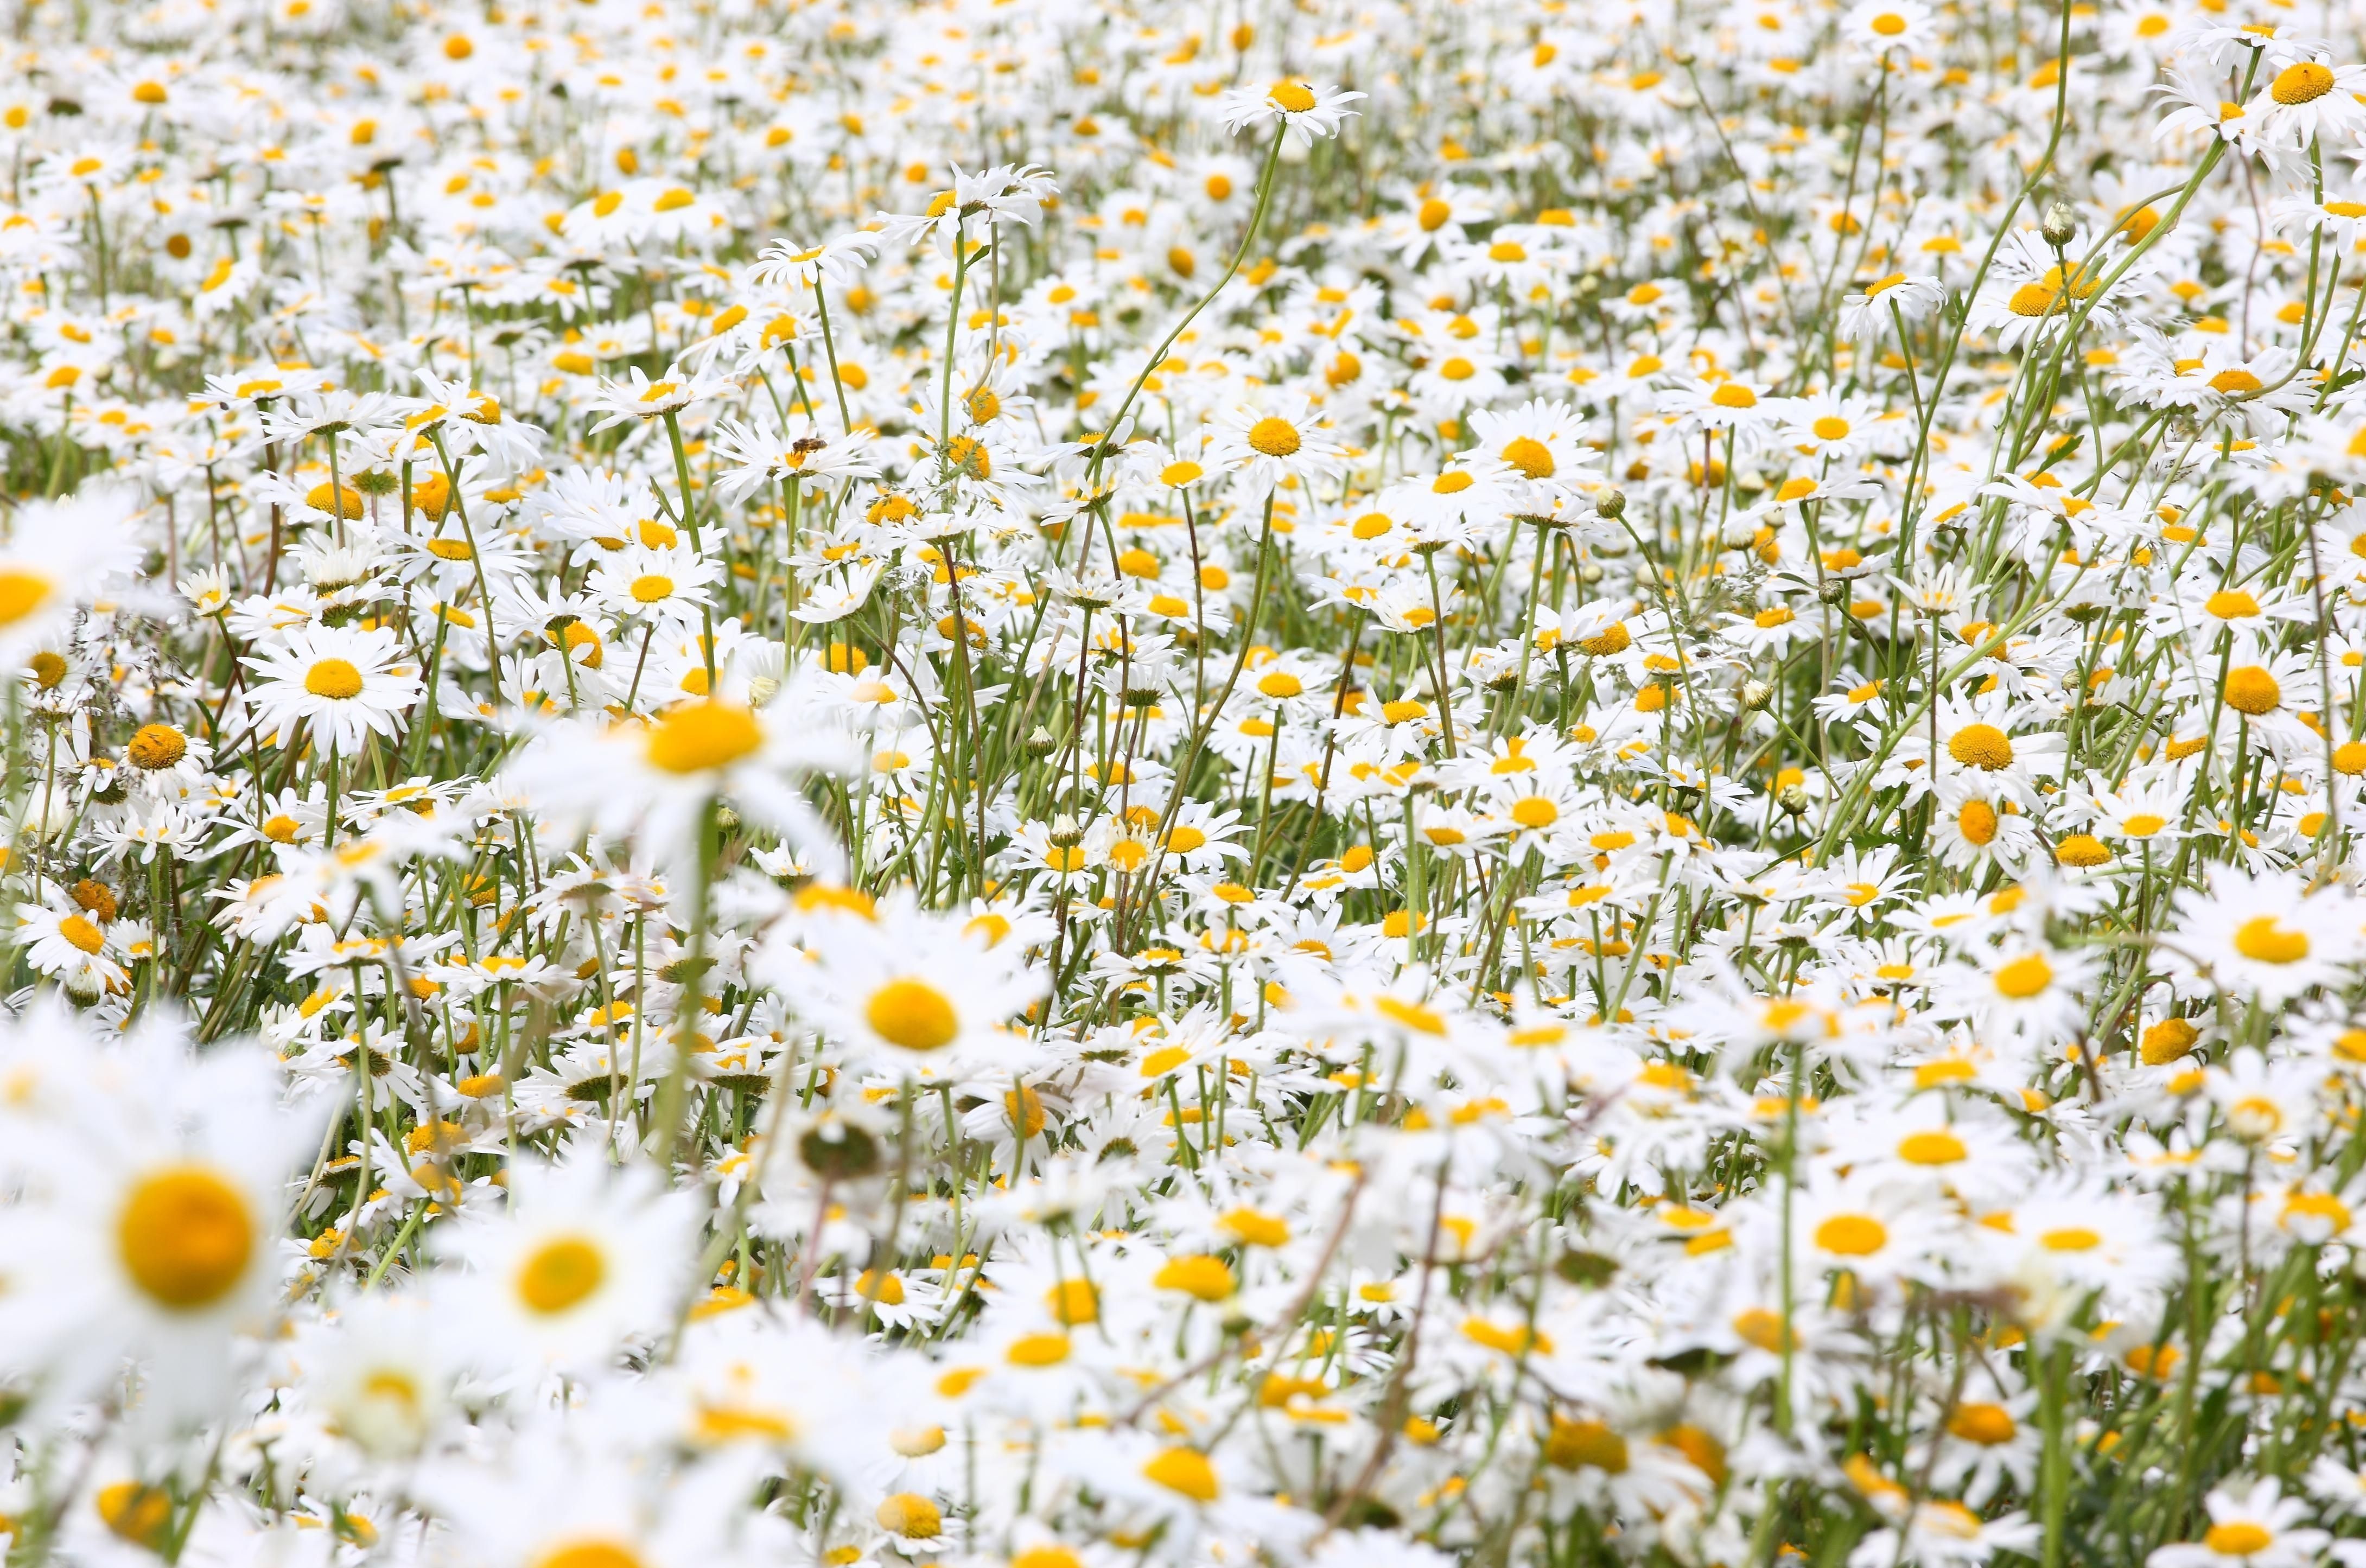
839 1151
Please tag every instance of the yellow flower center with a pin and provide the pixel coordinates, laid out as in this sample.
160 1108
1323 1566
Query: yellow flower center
2167 1040
913 1014
157 746
140 1515
1976 821
911 1516
2261 940
1889 24
919 1442
2053 291
79 930
2024 977
1037 1350
1937 1146
1256 1228
1275 437
186 1236
2242 1539
1574 1445
650 587
1982 746
1073 1303
1734 395
2081 849
2030 300
559 1274
1185 1471
1535 811
1411 1015
1200 1274
2234 383
696 737
968 455
2231 604
1297 97
1530 456
1852 1235
1987 1425
2251 690
335 679
344 499
2302 83
590 1554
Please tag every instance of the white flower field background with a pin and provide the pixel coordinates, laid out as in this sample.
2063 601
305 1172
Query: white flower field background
1183 784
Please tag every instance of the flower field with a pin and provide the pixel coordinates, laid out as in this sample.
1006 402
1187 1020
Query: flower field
1082 784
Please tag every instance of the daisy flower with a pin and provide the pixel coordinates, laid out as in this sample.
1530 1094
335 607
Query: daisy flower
52 558
582 1256
914 992
1305 110
2259 1528
2265 937
343 683
1267 443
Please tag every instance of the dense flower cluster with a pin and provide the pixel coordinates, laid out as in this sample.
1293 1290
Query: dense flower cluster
1090 783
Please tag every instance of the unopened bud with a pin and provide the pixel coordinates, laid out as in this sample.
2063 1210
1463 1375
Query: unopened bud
1756 695
839 1152
1611 503
2060 225
1040 742
1792 798
1066 831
